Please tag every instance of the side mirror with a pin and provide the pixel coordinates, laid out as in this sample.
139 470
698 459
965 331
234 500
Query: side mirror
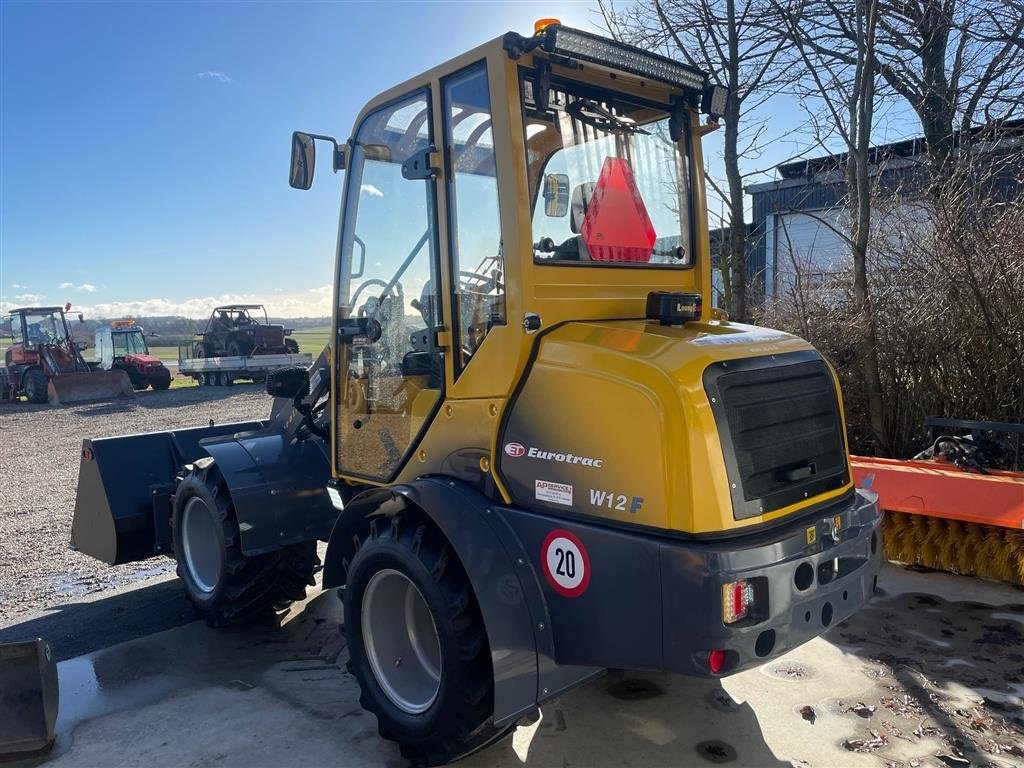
556 195
292 383
303 162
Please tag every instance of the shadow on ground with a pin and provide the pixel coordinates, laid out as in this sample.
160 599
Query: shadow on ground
947 674
77 628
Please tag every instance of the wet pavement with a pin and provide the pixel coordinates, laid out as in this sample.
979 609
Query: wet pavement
930 674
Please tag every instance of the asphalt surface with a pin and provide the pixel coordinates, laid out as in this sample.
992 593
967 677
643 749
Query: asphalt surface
40 449
929 675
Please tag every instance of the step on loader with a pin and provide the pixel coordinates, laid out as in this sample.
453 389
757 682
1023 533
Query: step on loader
533 447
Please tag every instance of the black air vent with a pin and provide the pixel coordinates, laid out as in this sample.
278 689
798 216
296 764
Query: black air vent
780 428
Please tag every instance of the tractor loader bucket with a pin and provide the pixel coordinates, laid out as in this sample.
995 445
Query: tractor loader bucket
95 385
122 511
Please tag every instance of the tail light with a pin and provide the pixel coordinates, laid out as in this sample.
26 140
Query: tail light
737 600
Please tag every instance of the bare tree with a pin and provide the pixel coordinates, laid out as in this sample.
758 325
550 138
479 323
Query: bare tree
957 63
841 77
737 42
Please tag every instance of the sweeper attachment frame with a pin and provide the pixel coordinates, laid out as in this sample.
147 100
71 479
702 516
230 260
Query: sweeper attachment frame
955 511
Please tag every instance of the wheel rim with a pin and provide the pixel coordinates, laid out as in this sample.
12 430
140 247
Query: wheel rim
401 641
201 540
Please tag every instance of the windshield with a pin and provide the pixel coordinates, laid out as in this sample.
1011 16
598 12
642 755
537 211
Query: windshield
44 329
131 343
608 184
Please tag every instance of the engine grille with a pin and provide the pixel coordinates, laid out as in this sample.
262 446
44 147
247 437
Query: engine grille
781 431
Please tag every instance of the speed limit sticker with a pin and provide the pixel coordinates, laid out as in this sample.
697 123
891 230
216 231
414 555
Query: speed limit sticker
565 563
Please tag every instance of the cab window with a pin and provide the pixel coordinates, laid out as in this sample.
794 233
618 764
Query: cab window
391 378
477 258
609 186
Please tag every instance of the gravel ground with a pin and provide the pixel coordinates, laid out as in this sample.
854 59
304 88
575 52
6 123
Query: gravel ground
39 456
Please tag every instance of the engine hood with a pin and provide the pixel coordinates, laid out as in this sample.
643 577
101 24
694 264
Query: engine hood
621 420
143 360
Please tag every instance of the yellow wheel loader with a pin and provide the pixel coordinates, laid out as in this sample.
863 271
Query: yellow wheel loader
533 447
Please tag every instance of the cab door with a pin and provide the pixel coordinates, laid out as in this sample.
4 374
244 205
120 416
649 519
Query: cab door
389 370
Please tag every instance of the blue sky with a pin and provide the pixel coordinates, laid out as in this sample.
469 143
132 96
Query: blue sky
144 147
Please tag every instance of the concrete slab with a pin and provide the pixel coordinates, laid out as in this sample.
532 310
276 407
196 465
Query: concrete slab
931 674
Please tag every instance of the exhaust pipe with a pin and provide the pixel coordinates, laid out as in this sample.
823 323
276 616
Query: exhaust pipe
69 388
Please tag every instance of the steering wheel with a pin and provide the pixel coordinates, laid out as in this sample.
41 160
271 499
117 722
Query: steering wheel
363 310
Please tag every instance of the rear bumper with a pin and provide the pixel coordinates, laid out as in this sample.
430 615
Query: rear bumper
653 602
807 578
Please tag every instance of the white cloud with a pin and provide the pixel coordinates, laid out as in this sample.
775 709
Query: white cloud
16 287
213 74
83 288
315 302
371 190
66 285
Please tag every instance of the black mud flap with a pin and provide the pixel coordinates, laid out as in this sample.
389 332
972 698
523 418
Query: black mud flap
124 485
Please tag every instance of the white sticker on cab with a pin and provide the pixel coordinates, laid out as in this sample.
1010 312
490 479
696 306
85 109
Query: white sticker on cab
554 493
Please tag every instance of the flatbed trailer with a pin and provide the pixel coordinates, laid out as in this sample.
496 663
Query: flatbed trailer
224 371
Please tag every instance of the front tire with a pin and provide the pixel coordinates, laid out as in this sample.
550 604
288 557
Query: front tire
417 643
35 386
225 586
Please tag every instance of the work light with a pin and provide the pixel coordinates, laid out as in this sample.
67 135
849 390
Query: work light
587 47
713 100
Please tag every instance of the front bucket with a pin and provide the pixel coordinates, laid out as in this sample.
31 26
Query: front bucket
28 698
94 385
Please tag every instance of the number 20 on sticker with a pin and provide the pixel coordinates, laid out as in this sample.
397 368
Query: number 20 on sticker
565 563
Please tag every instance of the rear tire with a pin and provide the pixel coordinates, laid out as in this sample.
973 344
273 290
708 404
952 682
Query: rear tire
291 346
35 386
161 384
224 586
238 350
408 600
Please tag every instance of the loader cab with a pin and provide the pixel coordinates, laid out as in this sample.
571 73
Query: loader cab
530 182
116 341
35 327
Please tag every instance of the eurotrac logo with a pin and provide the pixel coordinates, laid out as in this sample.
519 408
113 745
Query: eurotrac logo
515 450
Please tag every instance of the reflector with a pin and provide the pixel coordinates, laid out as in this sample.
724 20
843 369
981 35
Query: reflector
716 661
616 226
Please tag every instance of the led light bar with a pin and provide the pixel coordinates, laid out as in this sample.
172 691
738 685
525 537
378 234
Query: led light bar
587 47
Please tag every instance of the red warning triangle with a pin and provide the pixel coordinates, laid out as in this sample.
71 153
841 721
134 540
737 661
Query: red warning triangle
616 226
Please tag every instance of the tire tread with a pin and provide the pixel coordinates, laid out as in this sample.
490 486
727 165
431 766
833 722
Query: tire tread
254 586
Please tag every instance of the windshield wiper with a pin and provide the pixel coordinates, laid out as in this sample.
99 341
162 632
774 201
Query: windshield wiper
593 114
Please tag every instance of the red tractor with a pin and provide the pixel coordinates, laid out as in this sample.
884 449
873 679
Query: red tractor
44 363
122 346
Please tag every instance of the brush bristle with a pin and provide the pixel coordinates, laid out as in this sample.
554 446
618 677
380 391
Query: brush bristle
955 546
